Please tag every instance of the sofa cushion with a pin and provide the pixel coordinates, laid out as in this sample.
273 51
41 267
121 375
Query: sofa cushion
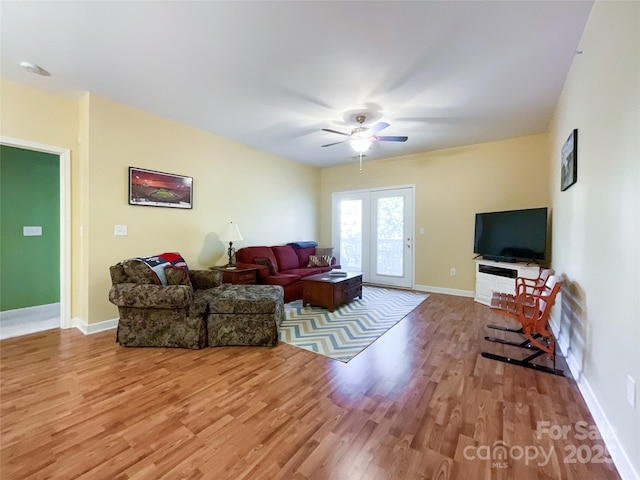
305 272
177 275
286 257
138 272
283 279
205 279
247 254
266 261
253 299
304 254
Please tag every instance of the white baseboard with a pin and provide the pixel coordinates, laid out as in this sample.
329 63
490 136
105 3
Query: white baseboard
39 312
91 328
24 321
445 291
619 456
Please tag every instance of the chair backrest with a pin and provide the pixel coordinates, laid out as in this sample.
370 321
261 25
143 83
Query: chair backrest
548 295
545 273
533 285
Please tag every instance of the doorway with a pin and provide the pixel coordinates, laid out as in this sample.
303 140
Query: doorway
373 234
63 156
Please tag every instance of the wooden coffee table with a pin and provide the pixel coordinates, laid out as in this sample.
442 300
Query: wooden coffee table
324 290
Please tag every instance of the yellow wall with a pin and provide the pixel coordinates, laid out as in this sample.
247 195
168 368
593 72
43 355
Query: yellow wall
451 186
33 116
596 222
38 117
273 200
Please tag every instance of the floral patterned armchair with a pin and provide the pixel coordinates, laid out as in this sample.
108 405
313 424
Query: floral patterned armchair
164 304
157 315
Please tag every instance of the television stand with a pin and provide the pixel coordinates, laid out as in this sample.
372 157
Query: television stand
492 276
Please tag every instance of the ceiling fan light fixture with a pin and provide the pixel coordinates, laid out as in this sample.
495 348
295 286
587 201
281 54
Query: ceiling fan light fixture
360 144
362 137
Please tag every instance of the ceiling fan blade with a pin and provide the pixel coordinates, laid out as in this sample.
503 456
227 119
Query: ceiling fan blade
391 138
334 143
378 127
335 131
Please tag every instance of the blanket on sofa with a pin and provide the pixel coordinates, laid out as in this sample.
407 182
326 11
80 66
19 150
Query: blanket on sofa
299 245
157 263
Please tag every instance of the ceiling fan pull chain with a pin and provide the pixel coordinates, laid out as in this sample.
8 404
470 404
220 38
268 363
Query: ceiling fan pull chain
361 163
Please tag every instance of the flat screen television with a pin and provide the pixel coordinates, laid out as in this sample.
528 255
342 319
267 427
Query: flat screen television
512 236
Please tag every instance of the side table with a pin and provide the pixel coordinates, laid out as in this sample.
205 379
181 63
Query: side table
238 276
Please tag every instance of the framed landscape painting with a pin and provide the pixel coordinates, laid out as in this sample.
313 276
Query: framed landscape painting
569 172
157 189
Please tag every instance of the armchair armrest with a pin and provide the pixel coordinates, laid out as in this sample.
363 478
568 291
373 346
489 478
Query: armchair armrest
150 296
205 279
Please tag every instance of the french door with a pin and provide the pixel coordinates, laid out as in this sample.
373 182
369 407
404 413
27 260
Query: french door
373 234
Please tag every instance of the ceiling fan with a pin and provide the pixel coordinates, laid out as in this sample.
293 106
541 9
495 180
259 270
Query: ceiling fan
362 137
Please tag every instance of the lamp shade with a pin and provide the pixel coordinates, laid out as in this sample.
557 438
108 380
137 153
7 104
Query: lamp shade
232 233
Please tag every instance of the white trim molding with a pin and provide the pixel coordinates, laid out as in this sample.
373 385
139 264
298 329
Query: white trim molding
24 321
35 313
446 291
91 328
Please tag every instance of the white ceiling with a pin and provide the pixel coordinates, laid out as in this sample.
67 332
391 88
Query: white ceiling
272 74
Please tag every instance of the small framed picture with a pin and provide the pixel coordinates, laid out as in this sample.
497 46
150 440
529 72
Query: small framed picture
157 189
569 172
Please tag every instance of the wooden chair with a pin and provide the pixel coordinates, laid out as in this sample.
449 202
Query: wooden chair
531 308
506 301
534 285
523 285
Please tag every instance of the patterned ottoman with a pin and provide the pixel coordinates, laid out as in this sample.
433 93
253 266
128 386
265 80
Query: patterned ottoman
245 315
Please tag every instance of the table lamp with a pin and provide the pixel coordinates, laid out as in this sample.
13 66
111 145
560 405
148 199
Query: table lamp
231 234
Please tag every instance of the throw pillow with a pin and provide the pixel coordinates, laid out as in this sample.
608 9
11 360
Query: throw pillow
139 272
319 260
177 275
267 263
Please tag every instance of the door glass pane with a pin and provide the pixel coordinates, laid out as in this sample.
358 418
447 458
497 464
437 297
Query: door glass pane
389 237
351 235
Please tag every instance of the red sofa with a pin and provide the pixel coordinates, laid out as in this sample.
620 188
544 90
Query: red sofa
290 265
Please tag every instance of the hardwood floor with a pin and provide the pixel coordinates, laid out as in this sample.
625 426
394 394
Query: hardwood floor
420 403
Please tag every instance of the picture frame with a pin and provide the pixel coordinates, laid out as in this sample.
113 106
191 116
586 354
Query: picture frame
569 166
150 188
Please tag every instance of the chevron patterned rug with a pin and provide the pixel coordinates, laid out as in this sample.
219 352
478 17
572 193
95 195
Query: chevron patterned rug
351 328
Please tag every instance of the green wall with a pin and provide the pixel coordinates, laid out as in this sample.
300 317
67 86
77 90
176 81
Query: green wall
29 196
